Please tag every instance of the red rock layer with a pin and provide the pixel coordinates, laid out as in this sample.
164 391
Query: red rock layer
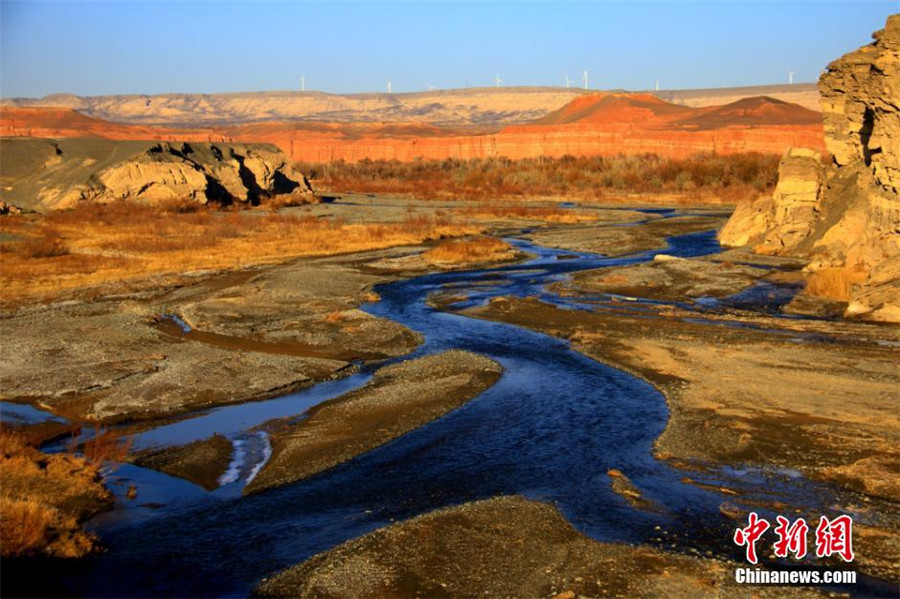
594 125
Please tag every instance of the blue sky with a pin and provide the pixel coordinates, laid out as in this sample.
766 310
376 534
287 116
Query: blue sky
93 48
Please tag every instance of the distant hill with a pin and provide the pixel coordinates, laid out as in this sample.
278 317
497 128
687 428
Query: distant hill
758 111
589 125
647 111
485 106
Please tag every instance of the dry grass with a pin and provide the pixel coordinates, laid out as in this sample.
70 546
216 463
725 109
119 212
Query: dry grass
501 210
42 499
712 178
834 283
334 316
119 247
105 449
48 245
463 251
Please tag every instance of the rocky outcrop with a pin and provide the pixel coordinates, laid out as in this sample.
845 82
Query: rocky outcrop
861 108
46 175
844 216
780 223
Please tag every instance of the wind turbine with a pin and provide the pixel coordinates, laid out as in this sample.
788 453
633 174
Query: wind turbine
790 77
584 78
657 85
568 81
498 80
303 83
389 86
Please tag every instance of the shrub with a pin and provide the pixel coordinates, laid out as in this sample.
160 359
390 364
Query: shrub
49 245
105 449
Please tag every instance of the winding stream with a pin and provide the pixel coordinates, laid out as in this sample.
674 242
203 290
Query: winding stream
550 429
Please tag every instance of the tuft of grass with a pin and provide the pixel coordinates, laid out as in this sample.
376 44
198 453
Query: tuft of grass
462 251
43 498
25 525
834 283
49 245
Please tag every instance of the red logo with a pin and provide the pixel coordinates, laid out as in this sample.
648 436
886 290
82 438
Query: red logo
748 536
791 539
834 536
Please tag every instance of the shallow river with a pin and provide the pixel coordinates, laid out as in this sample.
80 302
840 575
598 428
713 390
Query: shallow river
550 429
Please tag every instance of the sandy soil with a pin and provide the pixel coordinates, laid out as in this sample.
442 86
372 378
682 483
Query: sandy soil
503 547
398 399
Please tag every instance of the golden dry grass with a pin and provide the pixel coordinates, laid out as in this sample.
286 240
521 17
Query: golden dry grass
125 245
462 251
501 210
42 497
834 283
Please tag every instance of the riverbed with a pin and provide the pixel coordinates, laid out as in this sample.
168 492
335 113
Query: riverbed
552 428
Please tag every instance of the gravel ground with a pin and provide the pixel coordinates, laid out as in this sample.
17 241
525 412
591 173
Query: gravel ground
504 547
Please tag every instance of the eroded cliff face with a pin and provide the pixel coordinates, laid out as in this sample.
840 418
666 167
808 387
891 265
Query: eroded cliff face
47 175
779 224
843 214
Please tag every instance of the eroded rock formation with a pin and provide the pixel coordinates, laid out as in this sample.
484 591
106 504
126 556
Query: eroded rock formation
46 175
843 216
780 223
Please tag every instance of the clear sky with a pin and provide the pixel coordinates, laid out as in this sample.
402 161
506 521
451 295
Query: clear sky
94 48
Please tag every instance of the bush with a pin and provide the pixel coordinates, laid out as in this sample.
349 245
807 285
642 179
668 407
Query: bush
48 245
